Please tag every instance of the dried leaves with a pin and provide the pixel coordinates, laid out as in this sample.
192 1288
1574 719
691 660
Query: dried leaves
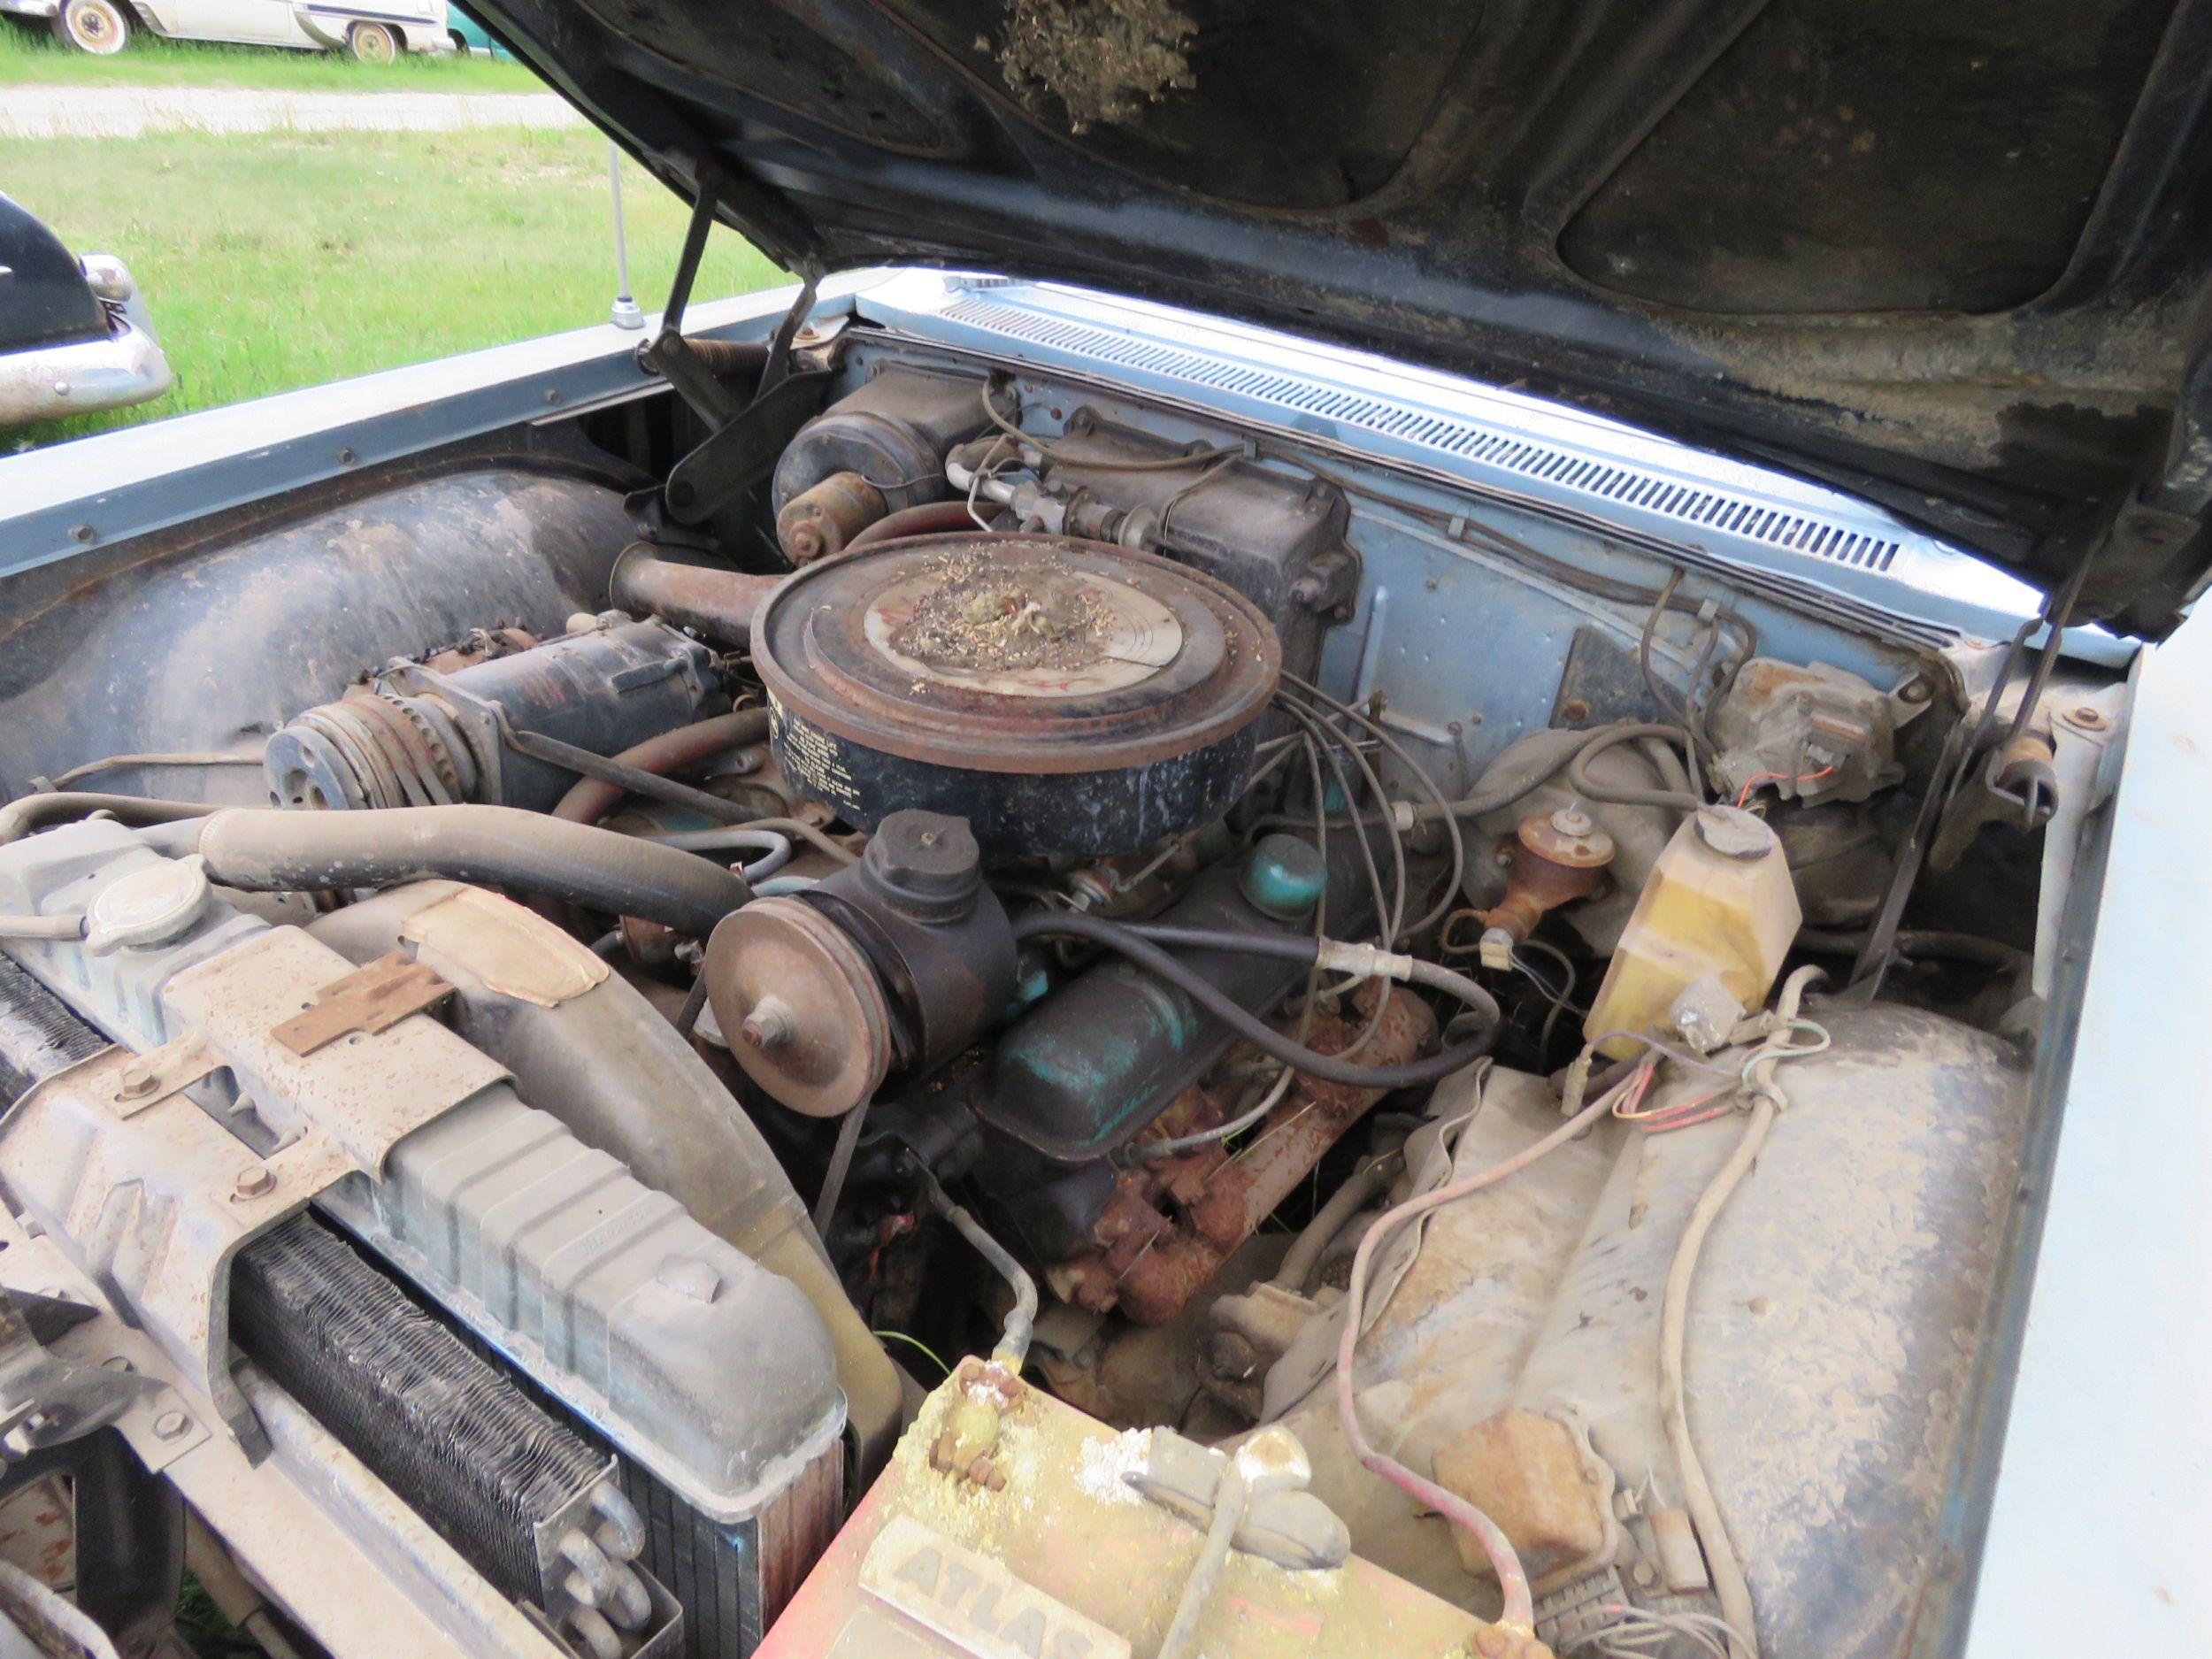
1104 60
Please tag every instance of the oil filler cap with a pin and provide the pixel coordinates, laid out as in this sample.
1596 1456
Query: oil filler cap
927 864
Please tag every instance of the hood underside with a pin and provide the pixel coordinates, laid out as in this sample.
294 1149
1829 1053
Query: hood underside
1952 258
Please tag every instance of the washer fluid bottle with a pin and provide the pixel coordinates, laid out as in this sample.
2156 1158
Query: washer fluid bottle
1719 904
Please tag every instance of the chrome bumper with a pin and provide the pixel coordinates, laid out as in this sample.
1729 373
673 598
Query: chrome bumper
47 382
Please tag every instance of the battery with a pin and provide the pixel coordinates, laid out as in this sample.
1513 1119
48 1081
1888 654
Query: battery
1009 1525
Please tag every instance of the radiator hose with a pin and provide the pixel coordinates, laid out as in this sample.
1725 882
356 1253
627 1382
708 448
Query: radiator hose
266 850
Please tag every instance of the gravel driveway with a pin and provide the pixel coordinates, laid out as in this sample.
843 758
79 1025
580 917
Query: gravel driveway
131 111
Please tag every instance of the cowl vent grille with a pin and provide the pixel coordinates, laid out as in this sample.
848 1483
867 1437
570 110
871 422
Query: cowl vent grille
1608 481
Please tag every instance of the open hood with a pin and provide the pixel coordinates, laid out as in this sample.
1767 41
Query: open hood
1951 258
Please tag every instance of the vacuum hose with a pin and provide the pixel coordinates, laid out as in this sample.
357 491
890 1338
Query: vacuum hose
1141 943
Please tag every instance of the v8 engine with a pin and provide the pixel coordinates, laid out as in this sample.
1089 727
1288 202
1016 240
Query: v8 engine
1033 1022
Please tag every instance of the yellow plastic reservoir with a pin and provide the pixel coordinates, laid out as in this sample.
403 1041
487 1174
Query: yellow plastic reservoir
1719 904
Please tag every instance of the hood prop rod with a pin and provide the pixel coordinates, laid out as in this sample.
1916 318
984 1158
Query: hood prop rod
746 436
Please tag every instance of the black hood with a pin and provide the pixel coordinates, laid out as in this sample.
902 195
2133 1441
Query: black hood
1952 257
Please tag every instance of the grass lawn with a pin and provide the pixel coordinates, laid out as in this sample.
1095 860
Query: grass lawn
30 55
275 261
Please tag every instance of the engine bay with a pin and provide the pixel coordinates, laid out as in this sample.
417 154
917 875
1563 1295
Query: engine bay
1048 1023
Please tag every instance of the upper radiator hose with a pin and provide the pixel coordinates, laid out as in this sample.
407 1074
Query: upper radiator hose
266 850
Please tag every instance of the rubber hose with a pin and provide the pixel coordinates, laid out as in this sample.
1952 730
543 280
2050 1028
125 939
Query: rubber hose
799 830
775 850
35 812
630 779
589 800
1305 949
1767 1101
1149 955
1920 942
1578 768
1668 764
1021 1318
1548 751
1500 788
68 924
932 518
1365 1184
263 849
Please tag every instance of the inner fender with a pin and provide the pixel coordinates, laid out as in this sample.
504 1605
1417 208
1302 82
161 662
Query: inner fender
212 648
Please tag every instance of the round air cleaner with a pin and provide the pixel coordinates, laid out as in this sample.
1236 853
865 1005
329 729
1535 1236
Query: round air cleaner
1063 696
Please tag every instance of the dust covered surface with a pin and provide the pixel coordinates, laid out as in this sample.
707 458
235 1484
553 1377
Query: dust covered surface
982 618
1102 60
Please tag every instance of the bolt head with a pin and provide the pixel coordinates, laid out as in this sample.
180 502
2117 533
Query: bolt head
138 1081
771 1024
254 1183
172 1425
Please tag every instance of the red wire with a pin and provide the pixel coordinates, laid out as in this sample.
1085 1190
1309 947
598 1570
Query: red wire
1659 1125
1758 777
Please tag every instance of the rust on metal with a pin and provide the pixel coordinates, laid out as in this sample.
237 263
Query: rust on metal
1557 858
1110 1554
719 603
1172 1223
154 1075
820 521
480 645
1531 1475
800 1005
173 1192
369 999
965 1446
